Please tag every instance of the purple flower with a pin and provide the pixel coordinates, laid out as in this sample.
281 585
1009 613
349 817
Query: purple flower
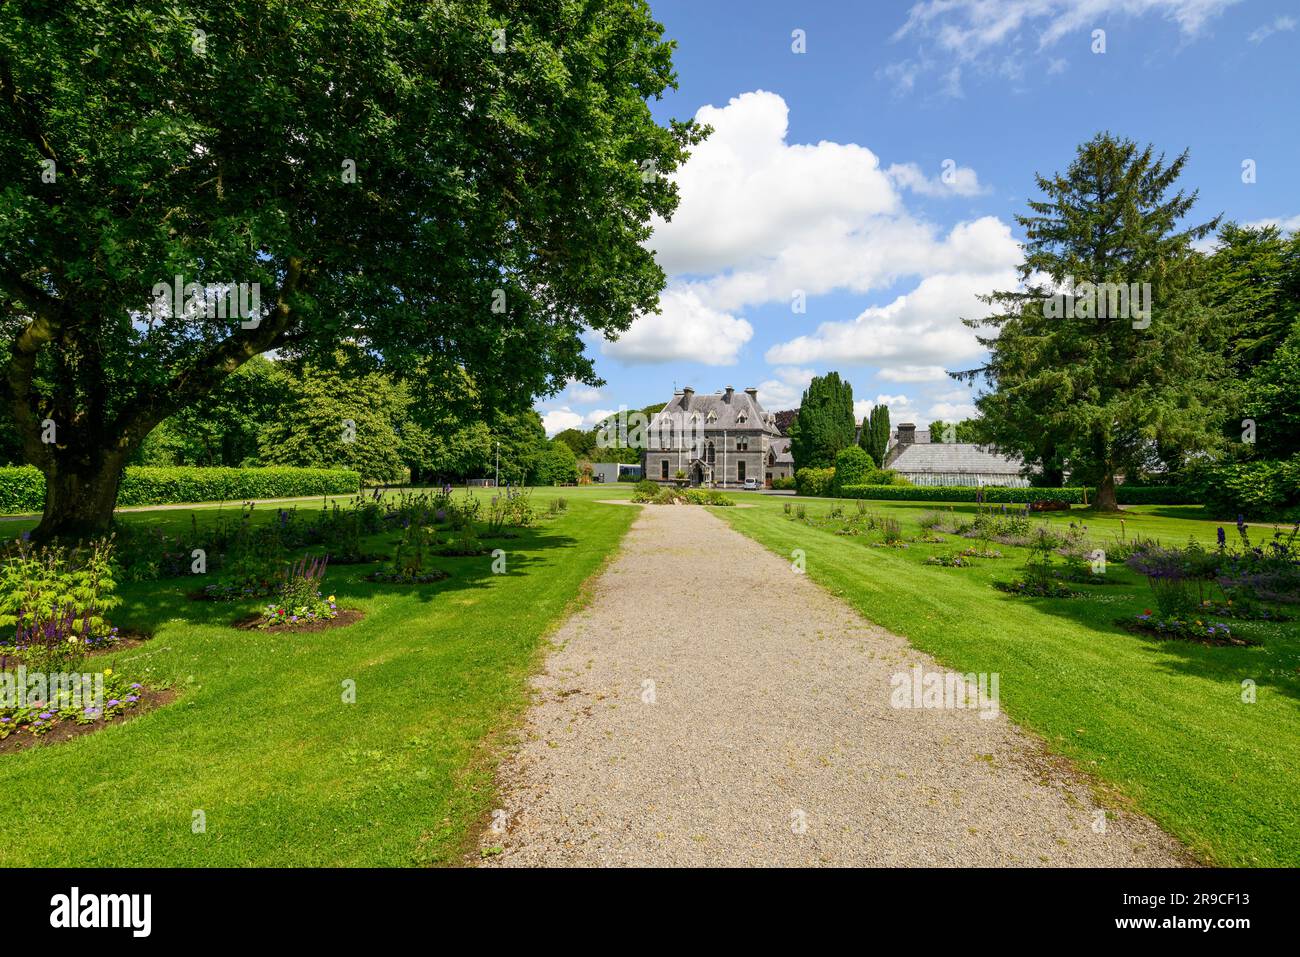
1223 538
132 698
46 715
113 703
137 686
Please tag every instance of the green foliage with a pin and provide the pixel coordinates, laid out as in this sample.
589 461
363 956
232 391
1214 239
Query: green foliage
22 488
853 465
1128 494
784 482
1272 400
875 433
824 424
299 600
558 465
811 481
1071 386
338 419
448 205
1260 489
44 585
965 431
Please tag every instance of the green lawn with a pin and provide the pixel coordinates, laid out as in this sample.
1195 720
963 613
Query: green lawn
1164 722
261 741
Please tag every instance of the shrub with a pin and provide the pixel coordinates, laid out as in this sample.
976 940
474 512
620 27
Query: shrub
299 600
852 467
1127 494
22 488
816 482
1264 489
783 482
645 491
52 590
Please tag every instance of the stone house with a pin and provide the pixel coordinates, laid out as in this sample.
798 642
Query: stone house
717 440
923 462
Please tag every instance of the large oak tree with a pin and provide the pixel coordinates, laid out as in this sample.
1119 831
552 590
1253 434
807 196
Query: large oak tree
459 185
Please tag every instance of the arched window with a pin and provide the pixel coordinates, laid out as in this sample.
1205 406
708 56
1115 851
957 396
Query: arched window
710 454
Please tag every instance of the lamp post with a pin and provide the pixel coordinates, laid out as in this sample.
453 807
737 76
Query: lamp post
496 483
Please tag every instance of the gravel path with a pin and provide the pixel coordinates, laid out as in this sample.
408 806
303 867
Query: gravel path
768 736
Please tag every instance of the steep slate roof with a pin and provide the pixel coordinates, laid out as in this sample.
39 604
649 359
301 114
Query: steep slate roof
781 446
726 411
954 457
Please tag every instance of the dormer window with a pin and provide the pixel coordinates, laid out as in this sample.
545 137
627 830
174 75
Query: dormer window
740 419
713 417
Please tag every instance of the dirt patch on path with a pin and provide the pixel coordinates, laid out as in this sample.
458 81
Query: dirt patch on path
711 707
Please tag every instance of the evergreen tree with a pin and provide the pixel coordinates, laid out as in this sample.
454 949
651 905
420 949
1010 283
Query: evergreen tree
1077 379
825 422
875 434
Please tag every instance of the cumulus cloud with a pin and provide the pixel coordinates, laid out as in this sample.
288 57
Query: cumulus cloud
901 409
952 180
557 420
685 328
914 374
921 328
786 390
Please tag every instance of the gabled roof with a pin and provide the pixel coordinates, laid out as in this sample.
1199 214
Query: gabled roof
955 457
781 446
716 412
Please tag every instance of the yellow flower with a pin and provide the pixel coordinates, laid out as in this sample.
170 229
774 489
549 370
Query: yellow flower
331 598
108 671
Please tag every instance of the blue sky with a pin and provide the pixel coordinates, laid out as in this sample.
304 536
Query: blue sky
825 185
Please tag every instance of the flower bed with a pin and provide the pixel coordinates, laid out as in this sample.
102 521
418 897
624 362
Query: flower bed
64 714
1183 629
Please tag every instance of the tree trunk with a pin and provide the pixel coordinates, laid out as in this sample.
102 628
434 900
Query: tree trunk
1106 500
79 501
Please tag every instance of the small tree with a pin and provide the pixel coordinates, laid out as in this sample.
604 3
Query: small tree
875 433
825 422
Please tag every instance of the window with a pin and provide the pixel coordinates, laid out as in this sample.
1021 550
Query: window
742 417
742 443
663 468
740 471
711 454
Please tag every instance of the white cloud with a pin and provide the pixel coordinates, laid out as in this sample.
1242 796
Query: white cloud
953 411
685 328
972 31
786 390
901 409
762 219
914 374
746 194
563 417
584 394
919 328
1289 225
1279 25
557 420
952 180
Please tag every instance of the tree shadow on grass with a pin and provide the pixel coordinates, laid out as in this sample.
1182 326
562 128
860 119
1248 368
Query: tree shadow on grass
1272 662
146 606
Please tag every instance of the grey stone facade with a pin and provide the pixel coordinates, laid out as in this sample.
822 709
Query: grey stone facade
717 440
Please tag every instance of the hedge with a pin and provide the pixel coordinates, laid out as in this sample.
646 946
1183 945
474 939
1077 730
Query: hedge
22 488
1127 494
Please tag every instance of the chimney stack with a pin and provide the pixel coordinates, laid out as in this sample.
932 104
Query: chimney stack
727 397
687 394
907 433
753 395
